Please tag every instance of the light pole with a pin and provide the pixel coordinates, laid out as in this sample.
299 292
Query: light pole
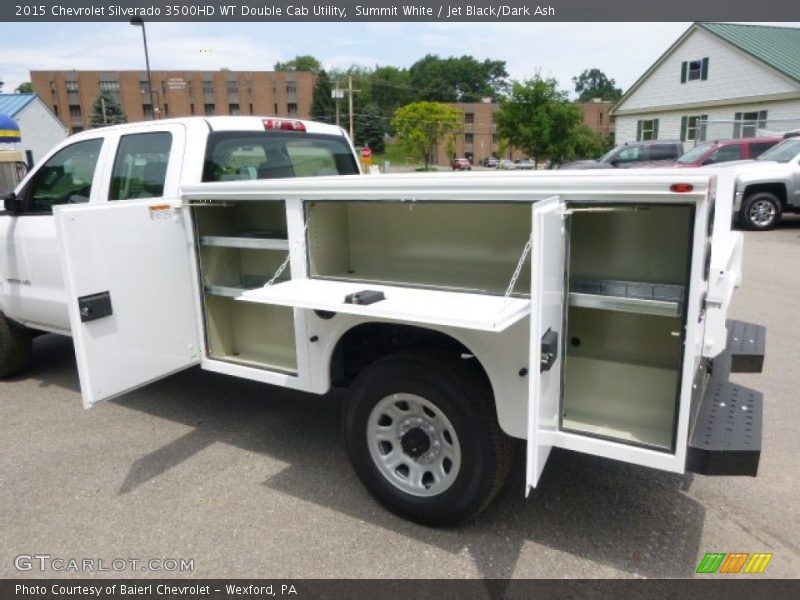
139 22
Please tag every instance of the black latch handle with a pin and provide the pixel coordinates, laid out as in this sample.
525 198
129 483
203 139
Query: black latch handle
549 351
94 306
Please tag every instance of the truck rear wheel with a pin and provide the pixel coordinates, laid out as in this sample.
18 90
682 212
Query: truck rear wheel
16 346
422 433
761 211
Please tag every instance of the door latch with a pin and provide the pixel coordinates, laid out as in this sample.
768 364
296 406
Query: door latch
549 351
95 306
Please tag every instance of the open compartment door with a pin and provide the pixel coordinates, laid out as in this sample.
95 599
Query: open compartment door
130 294
548 263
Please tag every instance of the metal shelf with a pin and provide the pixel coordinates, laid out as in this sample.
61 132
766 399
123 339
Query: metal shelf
252 240
628 296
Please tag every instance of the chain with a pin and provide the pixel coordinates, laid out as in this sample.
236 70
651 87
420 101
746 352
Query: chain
279 271
518 270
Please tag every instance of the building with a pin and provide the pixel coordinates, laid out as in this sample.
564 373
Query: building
71 94
718 80
597 116
40 128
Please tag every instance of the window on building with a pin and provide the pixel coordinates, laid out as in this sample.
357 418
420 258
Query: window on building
495 139
275 109
191 108
140 168
55 109
76 129
647 129
109 86
53 87
72 86
251 108
692 70
233 87
147 110
209 109
747 124
291 109
74 110
166 109
693 128
208 87
233 109
469 138
144 87
66 178
469 118
291 88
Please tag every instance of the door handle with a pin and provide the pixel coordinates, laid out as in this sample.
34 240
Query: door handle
95 306
549 350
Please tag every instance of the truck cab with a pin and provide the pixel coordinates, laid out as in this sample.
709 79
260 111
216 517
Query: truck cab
136 161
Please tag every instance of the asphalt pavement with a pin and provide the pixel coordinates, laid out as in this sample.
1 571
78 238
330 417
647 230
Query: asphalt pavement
247 480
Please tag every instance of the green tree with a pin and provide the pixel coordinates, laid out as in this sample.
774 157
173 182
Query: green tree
419 126
369 128
323 106
25 88
391 89
593 83
538 119
457 79
106 110
304 62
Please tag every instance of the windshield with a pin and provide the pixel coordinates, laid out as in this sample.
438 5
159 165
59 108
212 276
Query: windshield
695 153
783 152
607 156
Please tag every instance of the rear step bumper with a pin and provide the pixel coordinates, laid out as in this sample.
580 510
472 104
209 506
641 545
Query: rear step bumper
726 433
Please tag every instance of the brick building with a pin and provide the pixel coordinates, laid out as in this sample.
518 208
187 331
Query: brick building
71 94
597 116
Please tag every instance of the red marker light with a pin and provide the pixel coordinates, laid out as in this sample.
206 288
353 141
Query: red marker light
284 124
681 188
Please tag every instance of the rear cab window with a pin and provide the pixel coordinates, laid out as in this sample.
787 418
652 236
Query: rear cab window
247 155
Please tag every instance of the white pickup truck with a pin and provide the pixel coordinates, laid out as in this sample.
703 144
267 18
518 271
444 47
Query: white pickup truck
127 163
577 310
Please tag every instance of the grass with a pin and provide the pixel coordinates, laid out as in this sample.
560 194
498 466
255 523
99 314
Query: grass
395 154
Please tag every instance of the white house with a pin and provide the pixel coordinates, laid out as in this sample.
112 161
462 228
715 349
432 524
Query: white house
40 128
718 80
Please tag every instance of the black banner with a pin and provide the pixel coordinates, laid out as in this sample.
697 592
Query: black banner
402 10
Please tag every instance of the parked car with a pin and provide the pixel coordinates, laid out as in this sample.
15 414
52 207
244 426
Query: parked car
506 164
651 153
720 151
526 164
461 164
490 162
768 186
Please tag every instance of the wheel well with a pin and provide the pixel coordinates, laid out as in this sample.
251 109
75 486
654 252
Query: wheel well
362 345
778 189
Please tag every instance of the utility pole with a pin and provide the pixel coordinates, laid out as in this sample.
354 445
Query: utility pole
350 91
103 107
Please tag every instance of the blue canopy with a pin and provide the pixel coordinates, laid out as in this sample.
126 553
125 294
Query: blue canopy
9 130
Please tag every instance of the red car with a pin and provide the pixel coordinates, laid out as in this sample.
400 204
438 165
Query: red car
719 151
461 164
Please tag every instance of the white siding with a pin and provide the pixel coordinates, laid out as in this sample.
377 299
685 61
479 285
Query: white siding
731 74
41 129
784 114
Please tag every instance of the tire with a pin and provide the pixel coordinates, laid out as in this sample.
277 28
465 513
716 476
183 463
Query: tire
422 434
16 347
761 211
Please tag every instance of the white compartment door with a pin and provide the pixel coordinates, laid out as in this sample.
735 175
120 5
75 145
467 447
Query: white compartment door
130 294
547 323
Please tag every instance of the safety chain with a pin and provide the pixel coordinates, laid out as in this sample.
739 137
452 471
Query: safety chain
285 263
518 270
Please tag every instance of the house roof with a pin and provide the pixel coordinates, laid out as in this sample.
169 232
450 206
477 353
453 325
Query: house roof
778 47
12 104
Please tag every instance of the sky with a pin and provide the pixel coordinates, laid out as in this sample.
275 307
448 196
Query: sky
561 50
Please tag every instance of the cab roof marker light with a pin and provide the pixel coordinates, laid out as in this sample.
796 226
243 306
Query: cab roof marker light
681 188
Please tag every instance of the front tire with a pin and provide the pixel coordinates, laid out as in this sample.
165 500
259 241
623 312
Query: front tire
761 211
422 433
16 347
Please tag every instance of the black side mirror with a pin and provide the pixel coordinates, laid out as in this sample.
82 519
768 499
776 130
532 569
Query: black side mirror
12 203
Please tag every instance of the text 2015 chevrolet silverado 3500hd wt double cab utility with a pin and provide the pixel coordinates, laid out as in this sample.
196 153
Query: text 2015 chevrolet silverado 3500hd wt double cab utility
575 310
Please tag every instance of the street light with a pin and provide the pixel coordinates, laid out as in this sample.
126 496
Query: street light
139 22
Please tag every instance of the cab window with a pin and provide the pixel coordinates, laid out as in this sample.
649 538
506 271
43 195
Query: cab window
725 154
66 178
140 168
629 154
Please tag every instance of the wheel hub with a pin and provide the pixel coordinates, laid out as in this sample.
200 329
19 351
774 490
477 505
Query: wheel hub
415 442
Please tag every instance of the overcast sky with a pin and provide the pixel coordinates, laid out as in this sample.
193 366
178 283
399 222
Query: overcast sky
561 50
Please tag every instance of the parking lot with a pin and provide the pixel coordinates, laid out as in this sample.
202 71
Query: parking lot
248 480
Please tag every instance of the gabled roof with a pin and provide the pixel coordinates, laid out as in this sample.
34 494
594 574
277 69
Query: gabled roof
12 104
778 47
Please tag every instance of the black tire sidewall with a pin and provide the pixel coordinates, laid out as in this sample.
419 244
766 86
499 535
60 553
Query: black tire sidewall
473 483
744 217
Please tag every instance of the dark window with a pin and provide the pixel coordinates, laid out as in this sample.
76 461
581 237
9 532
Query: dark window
55 109
208 109
694 70
251 108
494 138
255 155
144 87
147 109
191 108
757 148
291 109
166 109
233 109
469 138
74 110
663 152
66 178
233 87
140 167
725 154
72 86
469 118
291 88
208 87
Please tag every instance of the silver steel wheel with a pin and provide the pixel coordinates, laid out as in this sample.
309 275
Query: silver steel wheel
762 213
413 444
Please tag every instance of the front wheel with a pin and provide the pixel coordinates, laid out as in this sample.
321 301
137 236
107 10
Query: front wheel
16 347
422 433
761 211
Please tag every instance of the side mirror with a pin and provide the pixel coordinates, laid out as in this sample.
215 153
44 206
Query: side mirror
12 204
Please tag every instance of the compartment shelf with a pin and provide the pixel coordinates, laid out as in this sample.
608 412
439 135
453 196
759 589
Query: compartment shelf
628 296
249 282
253 240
